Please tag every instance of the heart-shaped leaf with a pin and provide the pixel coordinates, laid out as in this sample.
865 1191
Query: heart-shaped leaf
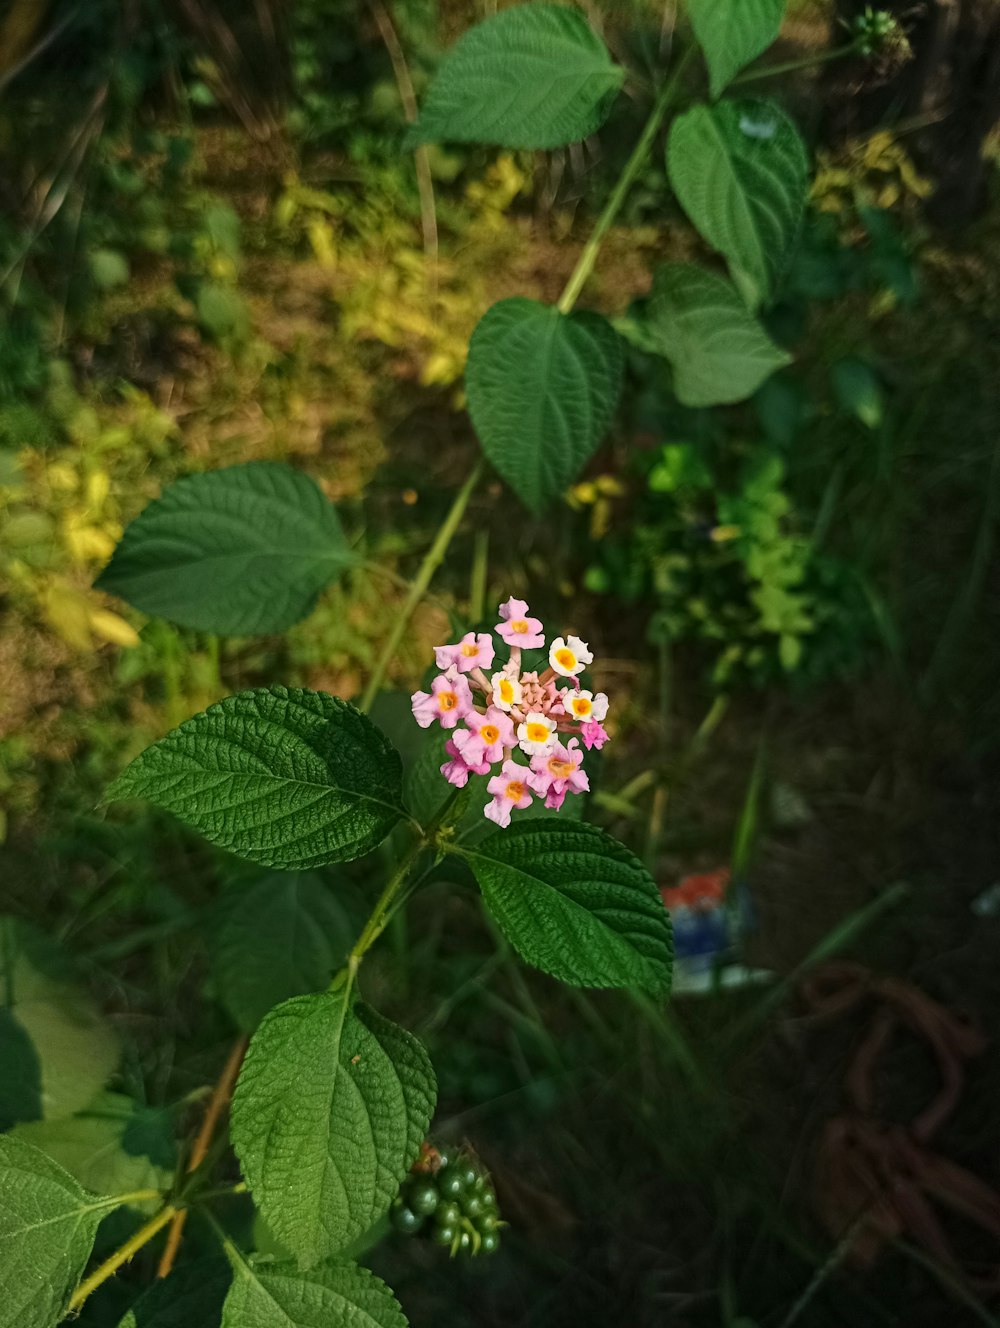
281 776
534 76
732 33
576 904
238 551
718 350
542 388
740 171
332 1104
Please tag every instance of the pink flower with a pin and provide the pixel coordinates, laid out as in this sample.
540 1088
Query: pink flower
558 773
456 770
448 701
593 735
518 628
510 790
488 735
472 652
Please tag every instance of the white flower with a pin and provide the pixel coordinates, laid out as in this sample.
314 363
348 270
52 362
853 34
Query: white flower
537 735
579 705
569 656
506 691
600 712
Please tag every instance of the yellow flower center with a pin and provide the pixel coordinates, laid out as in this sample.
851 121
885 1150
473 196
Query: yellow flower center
515 790
566 658
538 732
489 733
447 700
581 706
506 690
469 650
520 625
561 769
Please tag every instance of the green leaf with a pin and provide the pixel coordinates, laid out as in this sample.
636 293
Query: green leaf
718 350
55 1049
191 1297
534 76
104 1147
542 387
239 551
47 1228
279 935
334 1295
576 904
280 776
329 1112
858 391
740 171
732 33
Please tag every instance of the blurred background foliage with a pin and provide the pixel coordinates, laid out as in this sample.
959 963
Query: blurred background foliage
213 248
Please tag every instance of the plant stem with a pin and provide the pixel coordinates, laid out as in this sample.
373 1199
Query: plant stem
794 66
122 1255
432 561
199 1149
588 258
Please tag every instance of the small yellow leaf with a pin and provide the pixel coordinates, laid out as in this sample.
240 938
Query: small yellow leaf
109 627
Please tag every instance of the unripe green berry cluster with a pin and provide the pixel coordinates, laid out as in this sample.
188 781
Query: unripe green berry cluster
449 1199
874 30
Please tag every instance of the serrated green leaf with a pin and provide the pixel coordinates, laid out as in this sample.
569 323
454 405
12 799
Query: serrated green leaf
542 388
55 1049
281 776
718 350
279 935
239 551
575 903
534 76
329 1112
740 171
98 1145
334 1295
732 33
191 1297
47 1228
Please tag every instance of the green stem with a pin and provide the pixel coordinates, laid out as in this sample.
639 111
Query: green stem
794 66
124 1253
432 561
636 162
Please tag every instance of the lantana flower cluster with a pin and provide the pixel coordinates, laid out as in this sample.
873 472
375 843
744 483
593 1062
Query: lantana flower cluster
495 713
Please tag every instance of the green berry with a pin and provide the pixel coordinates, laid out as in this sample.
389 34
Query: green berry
423 1198
404 1219
444 1159
469 1175
472 1205
489 1199
487 1222
447 1214
491 1242
443 1235
450 1182
464 1242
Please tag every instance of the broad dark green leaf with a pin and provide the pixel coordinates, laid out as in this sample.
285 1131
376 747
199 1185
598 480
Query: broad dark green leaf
575 903
542 388
732 33
533 76
329 1112
334 1295
98 1146
279 935
740 170
280 776
47 1228
56 1052
191 1297
238 551
717 349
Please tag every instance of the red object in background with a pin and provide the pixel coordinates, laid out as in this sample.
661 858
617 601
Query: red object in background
702 891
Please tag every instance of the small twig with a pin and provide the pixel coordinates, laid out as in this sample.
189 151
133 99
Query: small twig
199 1150
407 95
121 1256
